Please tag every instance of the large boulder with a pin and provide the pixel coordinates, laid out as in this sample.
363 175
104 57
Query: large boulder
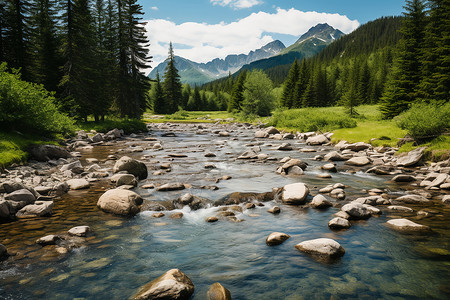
47 152
339 223
407 226
276 238
132 166
412 158
294 162
295 193
120 202
75 167
356 210
218 292
322 247
5 213
319 201
124 179
173 284
317 140
38 209
334 156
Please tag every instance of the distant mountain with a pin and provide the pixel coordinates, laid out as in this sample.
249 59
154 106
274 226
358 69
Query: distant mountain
199 73
309 44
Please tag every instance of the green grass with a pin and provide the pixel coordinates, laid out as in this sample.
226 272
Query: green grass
13 147
189 117
128 126
312 119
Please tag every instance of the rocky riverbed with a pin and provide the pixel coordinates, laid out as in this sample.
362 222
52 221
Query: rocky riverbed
225 204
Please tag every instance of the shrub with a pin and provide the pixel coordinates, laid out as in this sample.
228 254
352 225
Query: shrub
29 108
424 121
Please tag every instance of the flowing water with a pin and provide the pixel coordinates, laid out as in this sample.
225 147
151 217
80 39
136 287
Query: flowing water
123 254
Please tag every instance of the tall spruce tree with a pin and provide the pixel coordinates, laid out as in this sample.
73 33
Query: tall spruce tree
301 84
44 44
287 98
172 84
435 84
237 94
402 85
158 96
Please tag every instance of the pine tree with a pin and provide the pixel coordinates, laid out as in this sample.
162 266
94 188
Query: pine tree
158 96
287 99
403 82
435 84
45 44
185 95
237 94
364 81
301 84
16 20
172 84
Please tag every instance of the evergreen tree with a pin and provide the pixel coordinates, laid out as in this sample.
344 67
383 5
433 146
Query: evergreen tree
45 44
287 99
237 94
405 77
185 95
16 35
2 31
364 81
158 96
435 84
301 84
194 103
351 97
172 84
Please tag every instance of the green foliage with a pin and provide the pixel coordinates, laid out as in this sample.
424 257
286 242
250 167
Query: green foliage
312 119
237 94
157 97
258 96
424 121
29 108
172 85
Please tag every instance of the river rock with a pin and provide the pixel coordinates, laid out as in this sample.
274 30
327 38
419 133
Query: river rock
212 219
48 240
276 238
47 152
120 202
358 161
356 146
79 231
295 193
407 226
274 210
325 247
329 167
124 179
412 199
294 162
319 201
412 158
5 213
440 179
271 130
75 167
339 223
285 147
218 292
173 284
317 140
23 196
334 156
132 166
404 178
78 184
261 134
400 208
171 187
250 154
98 138
38 209
356 210
373 200
446 199
295 171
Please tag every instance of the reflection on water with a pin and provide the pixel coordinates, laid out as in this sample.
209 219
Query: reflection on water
125 253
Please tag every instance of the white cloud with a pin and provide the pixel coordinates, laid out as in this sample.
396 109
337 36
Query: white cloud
236 4
203 42
154 8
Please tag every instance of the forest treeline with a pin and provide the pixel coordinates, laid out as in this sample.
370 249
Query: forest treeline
90 54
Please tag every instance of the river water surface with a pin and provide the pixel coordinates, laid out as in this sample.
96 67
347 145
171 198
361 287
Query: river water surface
123 254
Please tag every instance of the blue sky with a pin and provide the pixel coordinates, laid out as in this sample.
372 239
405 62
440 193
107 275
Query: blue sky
202 30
